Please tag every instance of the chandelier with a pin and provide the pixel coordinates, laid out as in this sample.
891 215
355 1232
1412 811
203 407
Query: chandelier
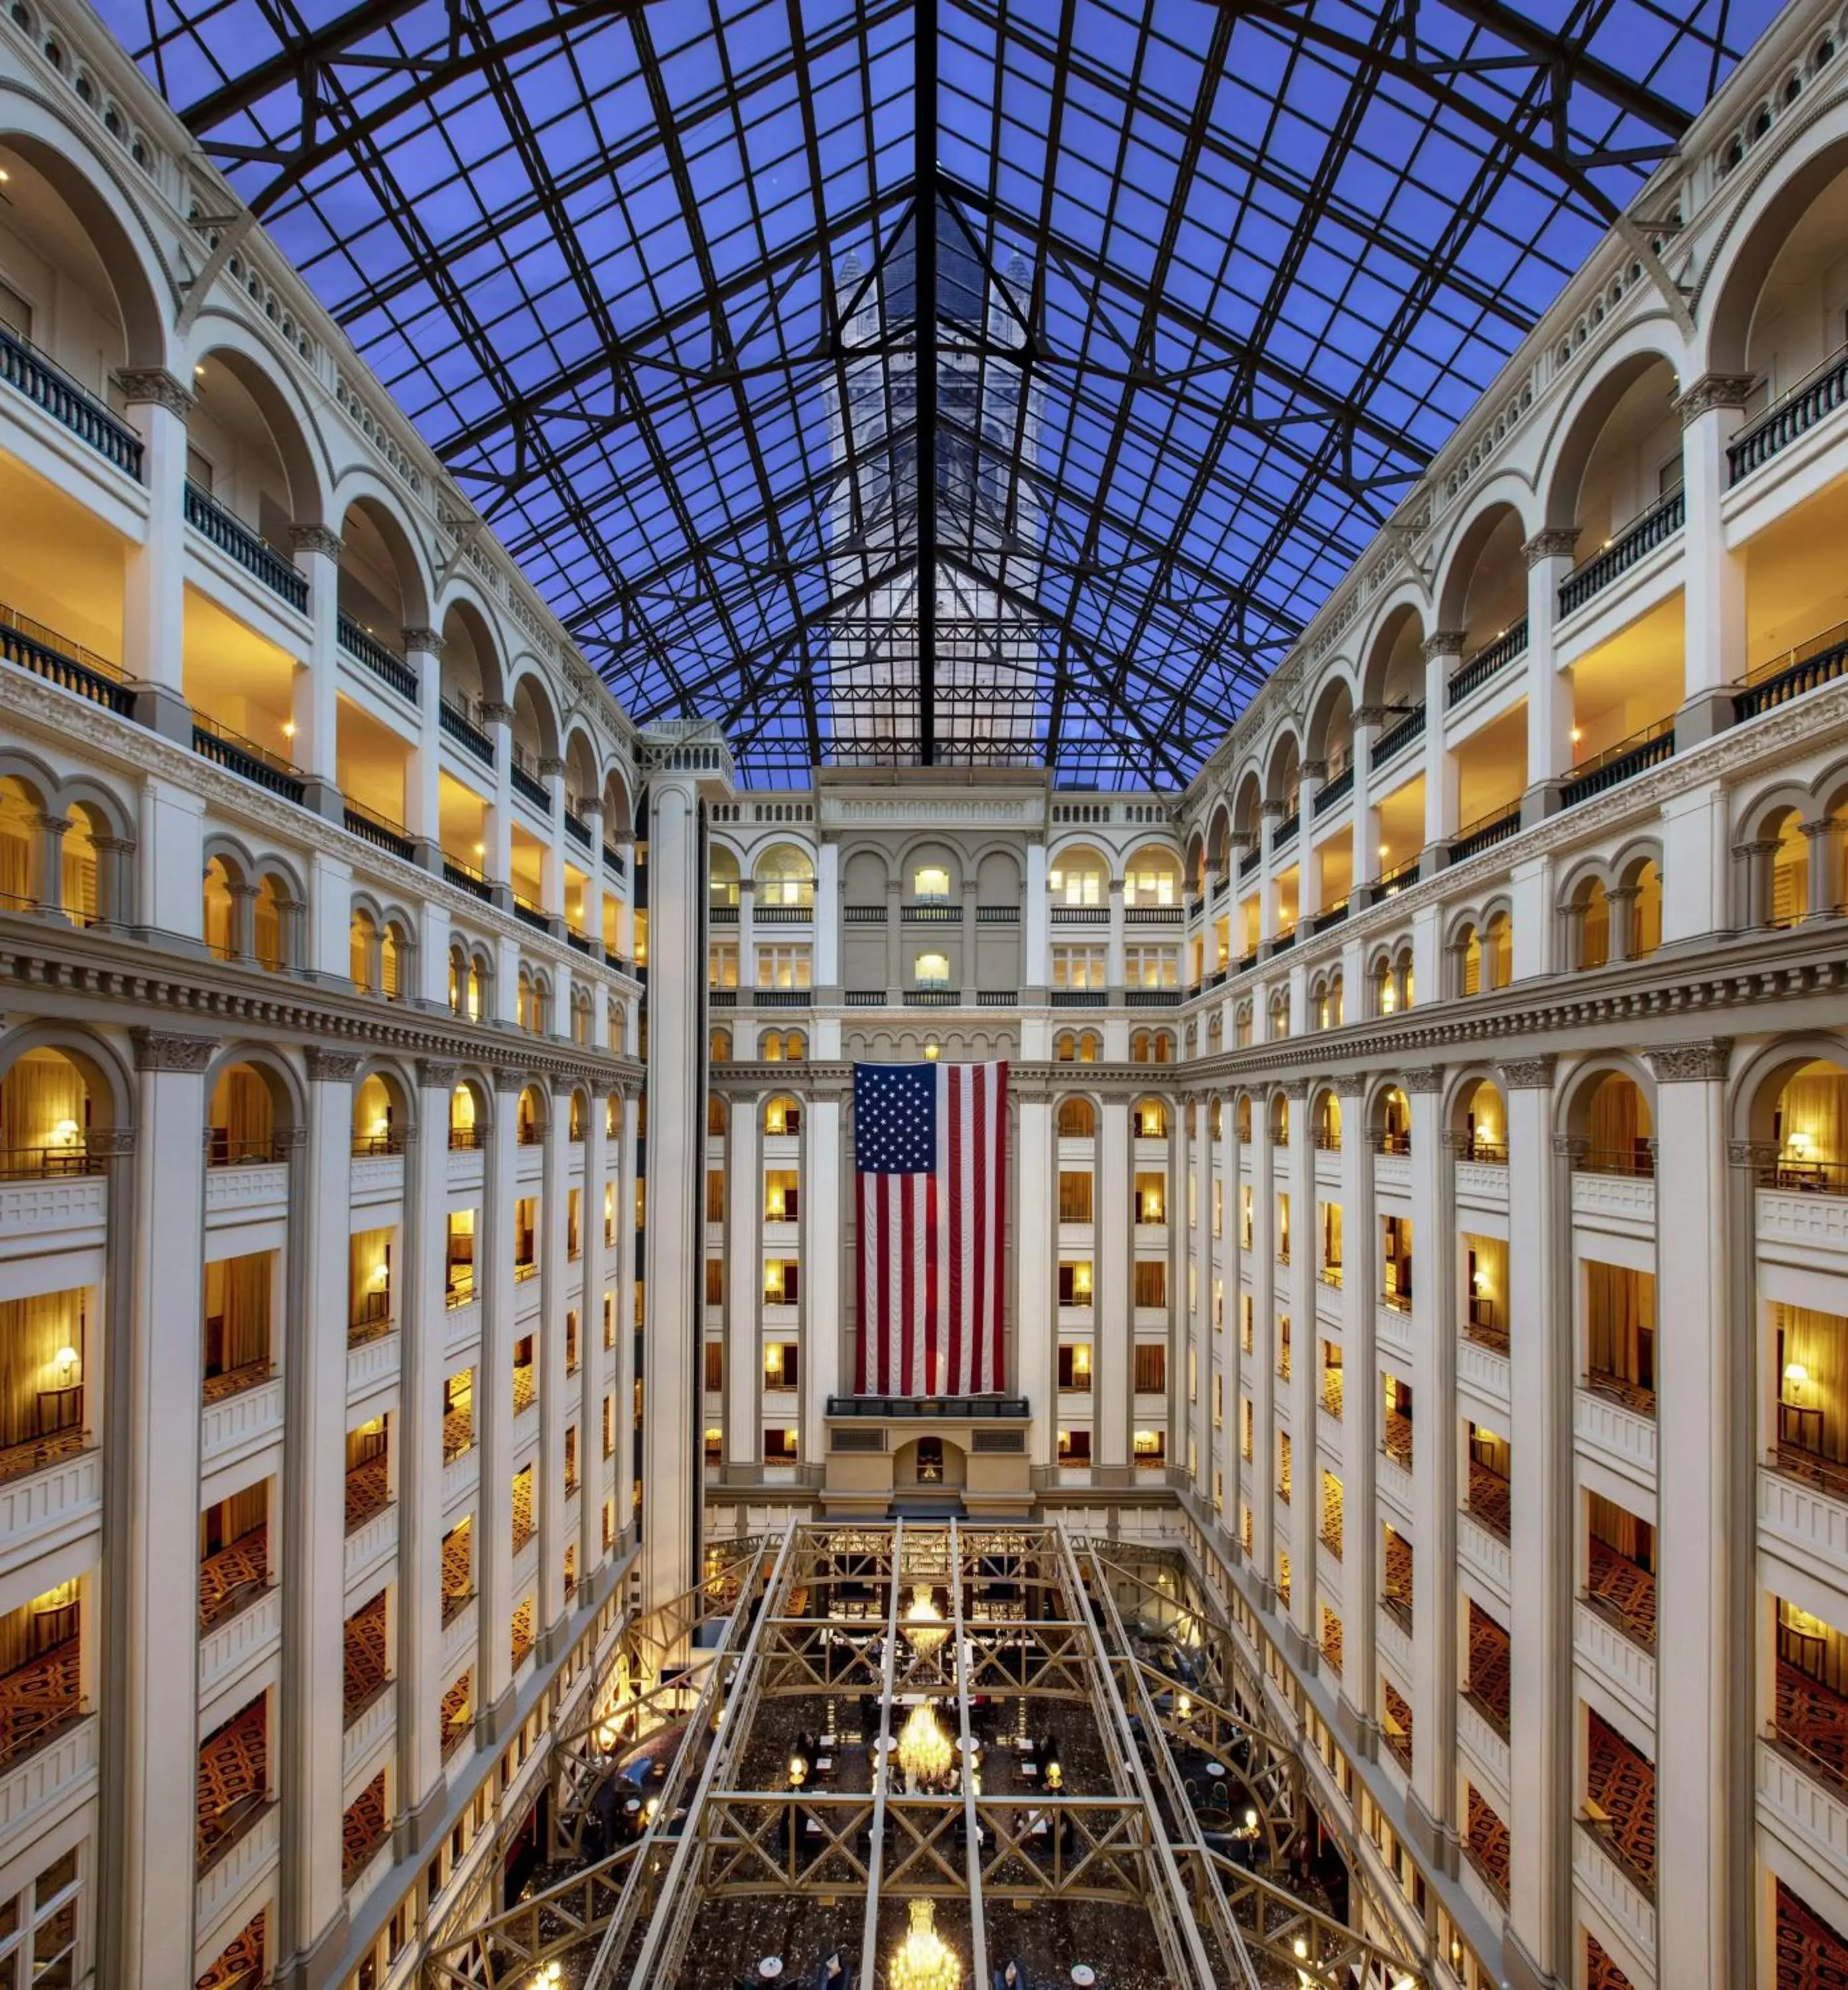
924 1749
923 1960
924 1630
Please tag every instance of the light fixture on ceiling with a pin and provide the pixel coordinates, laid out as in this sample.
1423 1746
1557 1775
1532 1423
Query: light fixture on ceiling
923 1960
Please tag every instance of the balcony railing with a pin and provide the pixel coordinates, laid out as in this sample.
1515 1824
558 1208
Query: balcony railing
997 915
466 878
242 756
466 735
1335 789
1657 525
1249 862
1617 764
250 550
1485 832
863 915
1489 661
233 1579
615 862
35 1164
382 663
1396 739
931 915
48 386
380 831
1285 833
534 915
933 998
1330 915
932 1407
1820 662
67 664
531 787
1818 394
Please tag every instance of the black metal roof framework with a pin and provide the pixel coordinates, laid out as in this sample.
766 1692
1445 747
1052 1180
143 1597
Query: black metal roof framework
1239 266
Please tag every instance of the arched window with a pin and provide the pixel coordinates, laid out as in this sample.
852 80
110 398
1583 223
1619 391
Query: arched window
1591 911
769 1050
240 1125
465 1126
783 1115
1485 1127
1077 1119
721 880
715 1116
362 951
1279 1120
930 883
1148 1119
795 1046
1328 1123
1394 1113
720 1047
1618 1129
45 1115
22 886
1064 1047
1080 878
221 924
931 970
786 879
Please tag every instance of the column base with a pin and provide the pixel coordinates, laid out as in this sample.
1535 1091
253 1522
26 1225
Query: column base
1705 714
1355 1729
1519 1972
1435 1843
317 1964
1433 858
427 855
163 711
1541 800
501 898
495 1722
1301 1652
418 1826
319 795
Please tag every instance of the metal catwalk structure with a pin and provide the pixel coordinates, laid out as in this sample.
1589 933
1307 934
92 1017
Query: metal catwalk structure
776 1705
1206 286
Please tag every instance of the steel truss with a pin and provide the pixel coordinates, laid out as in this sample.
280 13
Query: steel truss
1238 270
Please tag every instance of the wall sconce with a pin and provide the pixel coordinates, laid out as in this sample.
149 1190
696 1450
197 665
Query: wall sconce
64 1134
1801 1144
1796 1376
66 1360
382 1274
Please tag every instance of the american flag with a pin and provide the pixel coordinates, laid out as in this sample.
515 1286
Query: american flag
930 1146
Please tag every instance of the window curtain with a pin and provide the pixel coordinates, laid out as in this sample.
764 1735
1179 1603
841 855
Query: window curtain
242 1109
77 882
32 1332
267 923
1815 1102
1819 1343
18 829
41 1090
1622 1532
237 1312
1620 1318
1617 1123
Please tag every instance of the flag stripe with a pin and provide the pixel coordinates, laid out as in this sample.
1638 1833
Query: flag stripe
931 1147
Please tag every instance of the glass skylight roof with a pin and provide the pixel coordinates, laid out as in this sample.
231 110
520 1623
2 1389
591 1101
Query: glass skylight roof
1210 283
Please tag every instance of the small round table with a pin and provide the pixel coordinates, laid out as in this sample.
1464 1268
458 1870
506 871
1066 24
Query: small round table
1216 1770
770 1968
887 1742
1083 1975
964 1743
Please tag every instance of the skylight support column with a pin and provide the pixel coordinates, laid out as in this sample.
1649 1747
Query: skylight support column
924 229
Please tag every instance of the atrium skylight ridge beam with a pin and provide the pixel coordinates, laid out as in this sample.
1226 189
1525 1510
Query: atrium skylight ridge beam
924 364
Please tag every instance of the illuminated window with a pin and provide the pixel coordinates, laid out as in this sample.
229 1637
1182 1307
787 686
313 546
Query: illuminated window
931 970
930 881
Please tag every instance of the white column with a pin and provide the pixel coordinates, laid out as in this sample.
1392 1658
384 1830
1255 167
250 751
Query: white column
593 888
1360 1420
496 860
1368 719
1113 1323
1703 1795
1225 1337
824 1339
315 1509
552 862
1309 869
747 940
417 1441
1113 963
586 1394
827 912
626 1271
671 1464
1434 1481
1261 1370
1199 1335
1035 1301
315 748
493 1404
1549 558
1710 410
1035 955
153 596
1542 1366
555 1280
744 1285
144 1920
1298 1292
1443 652
423 784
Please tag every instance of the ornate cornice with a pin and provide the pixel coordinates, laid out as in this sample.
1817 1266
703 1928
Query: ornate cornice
510 1079
436 1075
1353 1084
423 642
291 1140
496 712
1313 770
109 1143
162 1050
316 539
1295 1088
1712 391
1528 1074
1705 1063
1555 542
1372 714
1422 1080
1444 643
326 1066
550 764
153 386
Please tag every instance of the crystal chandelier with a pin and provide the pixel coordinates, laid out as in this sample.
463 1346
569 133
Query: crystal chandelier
924 1750
924 1630
923 1960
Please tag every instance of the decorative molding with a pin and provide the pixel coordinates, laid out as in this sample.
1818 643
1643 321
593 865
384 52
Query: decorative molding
1373 714
1712 391
436 1074
109 1143
1444 643
509 1079
1422 1080
326 1066
1570 1146
1555 542
153 386
423 642
291 1140
1528 1074
162 1050
317 539
1295 1088
1753 1154
1705 1063
1313 770
1353 1084
497 713
550 765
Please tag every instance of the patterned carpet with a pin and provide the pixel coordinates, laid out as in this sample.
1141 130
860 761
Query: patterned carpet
1632 1395
457 1713
368 1663
1814 1717
1399 1568
1331 1642
232 1577
235 1381
1398 1439
368 1491
39 1700
1488 1499
1600 1973
1400 1717
521 1642
458 1579
522 1509
1788 1457
1332 1392
1333 1511
458 1434
241 1965
1487 1840
19 1459
1623 1784
363 1827
233 1776
525 1389
1811 1955
1626 1592
1489 1666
